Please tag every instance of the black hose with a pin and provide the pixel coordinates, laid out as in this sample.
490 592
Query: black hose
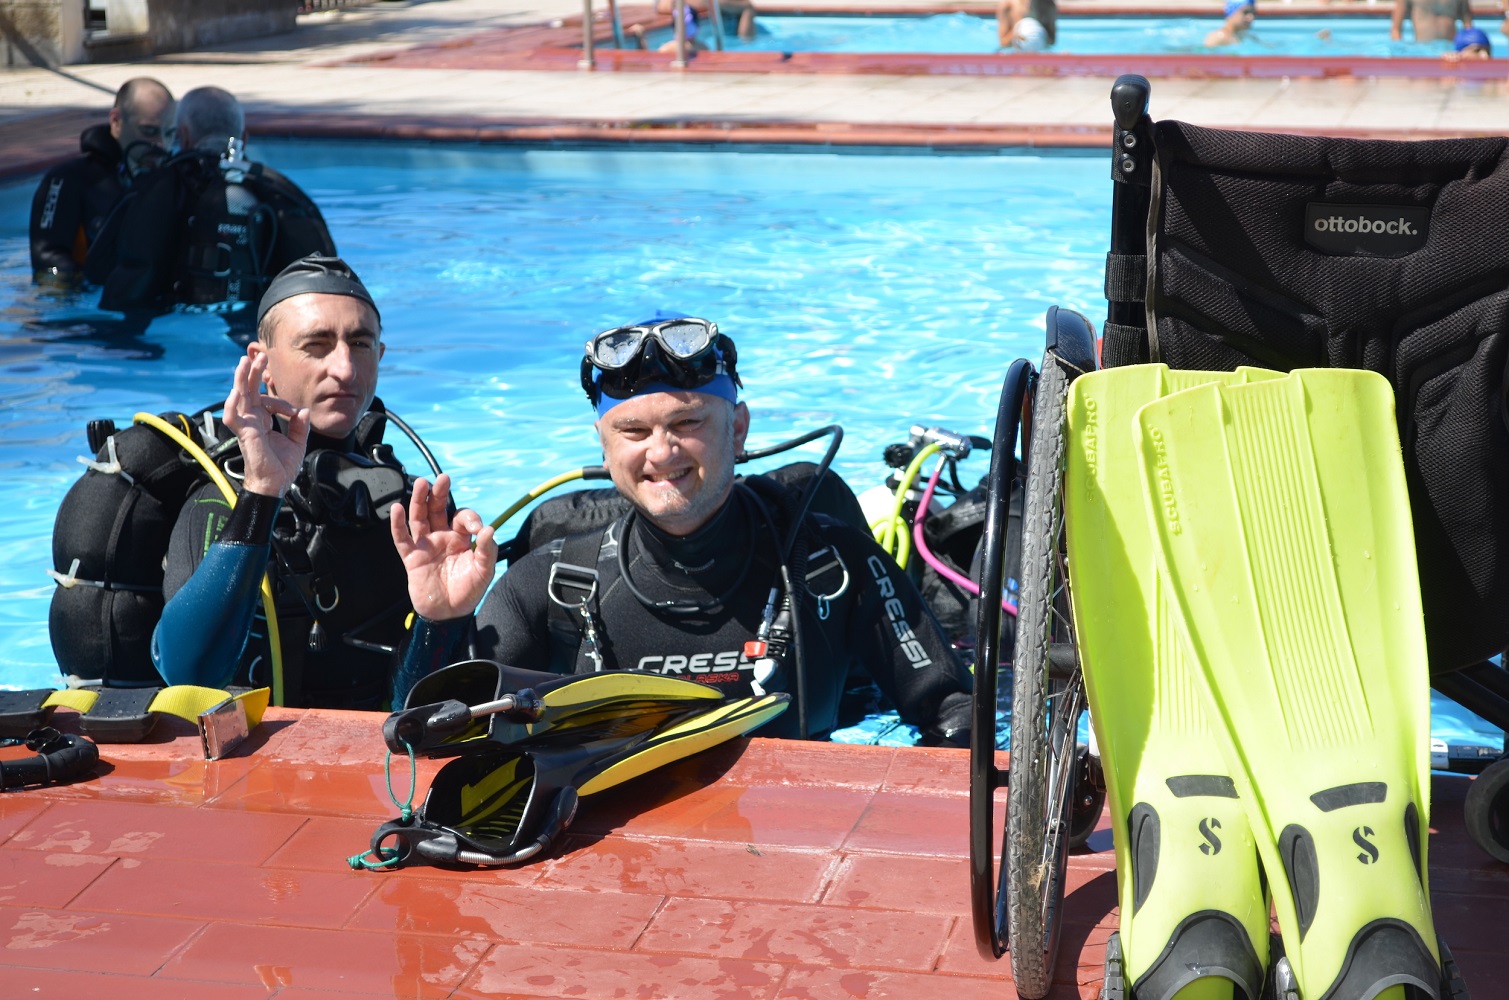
423 448
61 758
795 442
810 490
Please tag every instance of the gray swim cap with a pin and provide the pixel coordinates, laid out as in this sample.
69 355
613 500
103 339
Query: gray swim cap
315 273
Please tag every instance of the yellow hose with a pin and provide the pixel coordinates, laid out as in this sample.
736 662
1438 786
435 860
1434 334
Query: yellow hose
892 532
538 491
185 442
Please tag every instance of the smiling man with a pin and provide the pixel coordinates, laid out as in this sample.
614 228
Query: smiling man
703 578
315 482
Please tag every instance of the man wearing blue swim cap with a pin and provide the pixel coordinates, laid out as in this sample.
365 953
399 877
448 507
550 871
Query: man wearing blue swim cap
1239 16
688 570
1470 43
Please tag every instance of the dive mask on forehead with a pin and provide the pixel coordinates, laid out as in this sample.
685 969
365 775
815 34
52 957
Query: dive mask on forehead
686 353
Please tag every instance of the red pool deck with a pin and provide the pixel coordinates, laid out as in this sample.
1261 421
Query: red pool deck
761 869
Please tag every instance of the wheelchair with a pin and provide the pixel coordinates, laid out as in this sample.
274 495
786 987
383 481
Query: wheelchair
1227 249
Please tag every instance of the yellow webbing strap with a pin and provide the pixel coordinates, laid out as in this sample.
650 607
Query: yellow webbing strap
187 701
274 638
77 699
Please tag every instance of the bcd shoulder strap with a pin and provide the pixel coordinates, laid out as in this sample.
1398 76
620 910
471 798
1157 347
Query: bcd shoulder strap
576 635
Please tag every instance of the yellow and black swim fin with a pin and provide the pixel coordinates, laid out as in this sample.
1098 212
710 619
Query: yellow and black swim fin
505 803
1285 542
485 700
1194 914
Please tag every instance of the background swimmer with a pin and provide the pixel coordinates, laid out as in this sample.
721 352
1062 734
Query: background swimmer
1470 43
1432 20
1239 17
1029 25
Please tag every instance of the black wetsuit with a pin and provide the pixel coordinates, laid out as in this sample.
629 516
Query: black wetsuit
191 234
339 585
860 613
71 205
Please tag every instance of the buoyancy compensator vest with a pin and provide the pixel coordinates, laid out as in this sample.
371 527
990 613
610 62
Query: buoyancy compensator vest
207 231
109 542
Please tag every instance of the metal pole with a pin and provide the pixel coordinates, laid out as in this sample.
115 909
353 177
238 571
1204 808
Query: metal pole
586 62
618 28
717 26
679 13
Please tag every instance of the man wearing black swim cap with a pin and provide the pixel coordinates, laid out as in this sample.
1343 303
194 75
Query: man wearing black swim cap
315 480
702 577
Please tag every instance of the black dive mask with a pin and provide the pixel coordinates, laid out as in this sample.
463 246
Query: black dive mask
346 490
685 353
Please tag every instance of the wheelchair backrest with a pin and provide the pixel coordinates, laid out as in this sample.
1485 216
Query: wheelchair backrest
1305 251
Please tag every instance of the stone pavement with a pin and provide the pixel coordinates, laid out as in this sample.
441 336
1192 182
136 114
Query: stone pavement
312 71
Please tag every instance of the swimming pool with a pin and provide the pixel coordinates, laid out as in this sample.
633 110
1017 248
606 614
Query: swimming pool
971 34
873 291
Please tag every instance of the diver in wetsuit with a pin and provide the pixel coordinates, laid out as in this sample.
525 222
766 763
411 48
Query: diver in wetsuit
74 199
702 579
314 482
209 229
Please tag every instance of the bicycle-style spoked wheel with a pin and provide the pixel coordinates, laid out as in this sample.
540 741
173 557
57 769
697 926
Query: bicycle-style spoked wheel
1047 701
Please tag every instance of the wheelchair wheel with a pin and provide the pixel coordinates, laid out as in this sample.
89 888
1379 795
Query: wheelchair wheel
1047 701
1486 810
988 888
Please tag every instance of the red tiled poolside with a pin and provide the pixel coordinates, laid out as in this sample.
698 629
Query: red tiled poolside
759 869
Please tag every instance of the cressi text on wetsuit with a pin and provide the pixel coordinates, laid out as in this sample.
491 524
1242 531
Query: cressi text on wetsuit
859 613
71 205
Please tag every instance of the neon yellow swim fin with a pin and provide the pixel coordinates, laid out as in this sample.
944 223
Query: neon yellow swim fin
1285 541
1194 915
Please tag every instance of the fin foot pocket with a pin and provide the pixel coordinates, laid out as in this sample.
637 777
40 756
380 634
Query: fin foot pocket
1209 945
1388 953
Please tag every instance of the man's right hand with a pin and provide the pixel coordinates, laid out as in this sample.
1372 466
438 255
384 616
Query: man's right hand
272 456
447 574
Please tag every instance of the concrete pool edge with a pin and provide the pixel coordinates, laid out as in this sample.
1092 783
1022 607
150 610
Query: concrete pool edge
32 145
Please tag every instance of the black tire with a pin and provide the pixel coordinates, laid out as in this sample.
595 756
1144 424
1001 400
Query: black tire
1486 810
1045 708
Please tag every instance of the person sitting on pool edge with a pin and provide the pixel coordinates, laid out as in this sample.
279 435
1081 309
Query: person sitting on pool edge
313 480
738 15
1432 20
698 578
209 229
74 199
1239 17
1470 44
1028 25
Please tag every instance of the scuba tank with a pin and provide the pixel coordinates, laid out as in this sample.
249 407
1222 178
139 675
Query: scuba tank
231 233
109 543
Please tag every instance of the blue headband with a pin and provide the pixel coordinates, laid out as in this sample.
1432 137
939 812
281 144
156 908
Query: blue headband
1232 6
1472 36
721 386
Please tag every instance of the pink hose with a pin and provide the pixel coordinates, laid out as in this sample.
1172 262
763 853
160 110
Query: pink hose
934 561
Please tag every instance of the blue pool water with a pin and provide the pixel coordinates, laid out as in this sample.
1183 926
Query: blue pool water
874 291
971 34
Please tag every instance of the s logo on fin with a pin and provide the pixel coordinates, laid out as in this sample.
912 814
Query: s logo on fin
1212 845
1360 837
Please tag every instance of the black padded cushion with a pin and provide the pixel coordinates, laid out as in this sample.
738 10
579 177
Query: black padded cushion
1234 281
